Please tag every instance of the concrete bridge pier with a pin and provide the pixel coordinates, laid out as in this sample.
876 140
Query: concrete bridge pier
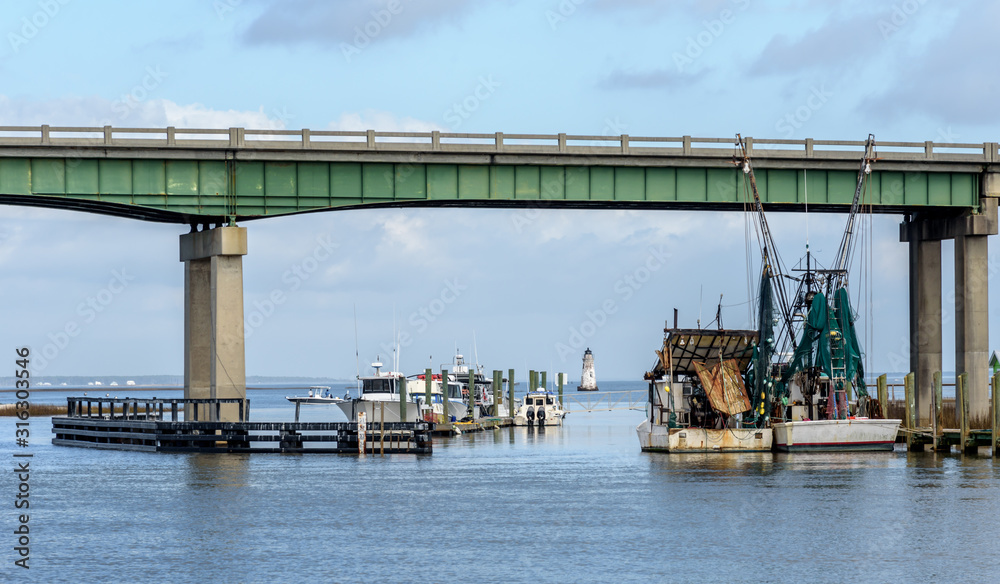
214 354
924 233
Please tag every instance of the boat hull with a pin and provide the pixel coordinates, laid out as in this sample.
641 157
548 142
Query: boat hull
835 435
315 400
581 388
660 438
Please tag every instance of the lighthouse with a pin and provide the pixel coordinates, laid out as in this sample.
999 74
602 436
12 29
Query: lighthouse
588 380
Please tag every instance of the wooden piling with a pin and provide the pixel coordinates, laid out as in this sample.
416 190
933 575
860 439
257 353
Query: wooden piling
428 387
510 392
994 386
532 380
908 404
559 376
937 412
962 396
381 429
543 383
497 381
402 399
472 392
446 401
883 394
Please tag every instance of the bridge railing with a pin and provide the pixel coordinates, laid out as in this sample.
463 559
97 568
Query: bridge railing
496 143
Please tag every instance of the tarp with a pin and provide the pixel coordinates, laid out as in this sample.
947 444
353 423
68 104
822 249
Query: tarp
723 384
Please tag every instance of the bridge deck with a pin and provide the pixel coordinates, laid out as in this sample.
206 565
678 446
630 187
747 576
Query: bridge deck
200 175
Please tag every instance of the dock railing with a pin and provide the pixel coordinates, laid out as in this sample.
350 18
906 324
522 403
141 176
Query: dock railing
105 408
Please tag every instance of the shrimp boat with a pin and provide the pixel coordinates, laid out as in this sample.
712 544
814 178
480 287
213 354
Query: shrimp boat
817 399
698 401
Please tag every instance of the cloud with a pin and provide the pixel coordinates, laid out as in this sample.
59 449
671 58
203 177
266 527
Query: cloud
326 22
946 79
382 122
98 111
838 43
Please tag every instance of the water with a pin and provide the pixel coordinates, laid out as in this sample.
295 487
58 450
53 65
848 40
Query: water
579 503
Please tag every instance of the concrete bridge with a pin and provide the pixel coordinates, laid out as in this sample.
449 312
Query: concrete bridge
210 179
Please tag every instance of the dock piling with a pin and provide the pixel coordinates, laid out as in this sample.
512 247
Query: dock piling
883 394
497 381
532 380
559 376
543 382
428 384
402 399
994 385
937 407
472 394
510 392
911 423
962 393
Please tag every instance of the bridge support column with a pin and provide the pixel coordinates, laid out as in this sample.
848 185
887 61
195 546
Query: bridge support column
924 234
925 321
214 355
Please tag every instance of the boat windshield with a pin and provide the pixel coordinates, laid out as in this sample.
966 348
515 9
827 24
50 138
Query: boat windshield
376 385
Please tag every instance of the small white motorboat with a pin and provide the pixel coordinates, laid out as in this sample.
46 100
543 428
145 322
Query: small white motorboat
540 408
318 394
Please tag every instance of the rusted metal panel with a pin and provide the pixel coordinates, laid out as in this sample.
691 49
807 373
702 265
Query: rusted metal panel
724 387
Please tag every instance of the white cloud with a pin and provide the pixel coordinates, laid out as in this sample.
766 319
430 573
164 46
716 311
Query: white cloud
381 121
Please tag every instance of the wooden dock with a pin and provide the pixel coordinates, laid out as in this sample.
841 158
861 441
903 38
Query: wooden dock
139 424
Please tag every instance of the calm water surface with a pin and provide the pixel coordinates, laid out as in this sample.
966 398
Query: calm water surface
579 503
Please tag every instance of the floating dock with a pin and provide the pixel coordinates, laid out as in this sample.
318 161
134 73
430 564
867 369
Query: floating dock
140 424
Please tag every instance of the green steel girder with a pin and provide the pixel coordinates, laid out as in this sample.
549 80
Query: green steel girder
184 191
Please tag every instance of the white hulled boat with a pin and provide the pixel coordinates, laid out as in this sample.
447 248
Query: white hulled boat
540 408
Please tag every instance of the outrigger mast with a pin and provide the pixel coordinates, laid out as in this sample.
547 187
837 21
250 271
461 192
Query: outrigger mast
847 242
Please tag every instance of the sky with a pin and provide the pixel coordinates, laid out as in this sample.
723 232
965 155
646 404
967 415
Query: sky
516 289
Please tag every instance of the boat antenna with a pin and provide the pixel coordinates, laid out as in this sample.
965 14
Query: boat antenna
357 355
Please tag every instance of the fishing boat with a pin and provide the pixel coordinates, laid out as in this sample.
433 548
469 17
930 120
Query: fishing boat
698 401
540 408
318 395
383 394
817 399
481 389
588 379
